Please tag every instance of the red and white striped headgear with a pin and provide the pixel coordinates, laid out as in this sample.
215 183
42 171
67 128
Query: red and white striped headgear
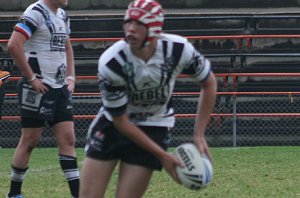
149 13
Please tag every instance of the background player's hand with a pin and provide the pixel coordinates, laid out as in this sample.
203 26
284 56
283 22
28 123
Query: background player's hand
39 86
70 84
1 83
169 162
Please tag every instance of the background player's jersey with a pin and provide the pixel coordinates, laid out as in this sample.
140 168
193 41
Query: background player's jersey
46 32
144 89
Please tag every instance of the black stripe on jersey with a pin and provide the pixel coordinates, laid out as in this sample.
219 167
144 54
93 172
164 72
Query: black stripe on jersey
129 75
40 6
34 64
196 66
176 55
37 9
165 49
177 52
116 67
65 16
48 22
123 56
116 111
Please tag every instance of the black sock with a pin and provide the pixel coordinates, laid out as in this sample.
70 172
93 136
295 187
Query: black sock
69 166
17 177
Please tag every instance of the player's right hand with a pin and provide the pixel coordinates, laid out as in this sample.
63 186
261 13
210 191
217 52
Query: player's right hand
170 162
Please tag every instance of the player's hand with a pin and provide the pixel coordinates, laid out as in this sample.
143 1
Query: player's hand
170 162
70 84
201 144
39 86
1 83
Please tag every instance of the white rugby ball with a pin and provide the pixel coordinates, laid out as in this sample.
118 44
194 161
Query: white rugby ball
197 171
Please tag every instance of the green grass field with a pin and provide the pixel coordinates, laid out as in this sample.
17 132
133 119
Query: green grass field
249 172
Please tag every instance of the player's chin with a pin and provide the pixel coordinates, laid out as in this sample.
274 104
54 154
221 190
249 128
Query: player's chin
134 45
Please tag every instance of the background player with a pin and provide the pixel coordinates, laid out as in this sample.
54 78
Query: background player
41 49
3 76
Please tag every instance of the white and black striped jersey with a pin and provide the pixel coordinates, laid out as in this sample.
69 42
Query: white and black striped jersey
144 89
46 32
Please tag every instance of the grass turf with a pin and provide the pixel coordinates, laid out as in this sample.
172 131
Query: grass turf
248 172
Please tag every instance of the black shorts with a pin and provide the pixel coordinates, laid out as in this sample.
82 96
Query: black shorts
105 142
35 108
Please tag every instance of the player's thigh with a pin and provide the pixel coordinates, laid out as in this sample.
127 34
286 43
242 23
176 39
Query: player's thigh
133 180
65 137
95 176
30 137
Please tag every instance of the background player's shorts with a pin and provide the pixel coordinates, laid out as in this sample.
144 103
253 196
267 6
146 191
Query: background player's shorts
35 108
105 142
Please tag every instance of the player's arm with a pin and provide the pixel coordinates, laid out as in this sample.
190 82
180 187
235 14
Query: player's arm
205 106
16 50
199 68
70 66
15 47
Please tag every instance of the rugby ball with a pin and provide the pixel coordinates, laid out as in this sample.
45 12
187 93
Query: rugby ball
197 171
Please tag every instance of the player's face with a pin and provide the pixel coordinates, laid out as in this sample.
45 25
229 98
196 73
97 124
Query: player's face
135 33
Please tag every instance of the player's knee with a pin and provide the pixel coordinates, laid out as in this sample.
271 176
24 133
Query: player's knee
28 146
69 139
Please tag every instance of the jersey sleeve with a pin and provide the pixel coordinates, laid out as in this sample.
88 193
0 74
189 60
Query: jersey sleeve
196 65
112 87
28 23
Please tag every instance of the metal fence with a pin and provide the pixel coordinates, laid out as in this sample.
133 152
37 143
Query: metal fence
238 119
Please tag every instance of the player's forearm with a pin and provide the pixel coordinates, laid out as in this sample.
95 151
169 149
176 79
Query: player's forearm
70 59
205 106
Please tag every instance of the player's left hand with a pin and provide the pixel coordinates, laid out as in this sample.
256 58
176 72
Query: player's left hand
70 84
201 144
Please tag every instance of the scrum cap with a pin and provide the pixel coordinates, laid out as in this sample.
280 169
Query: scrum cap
149 13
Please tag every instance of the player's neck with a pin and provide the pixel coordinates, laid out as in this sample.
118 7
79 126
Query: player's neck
146 52
51 5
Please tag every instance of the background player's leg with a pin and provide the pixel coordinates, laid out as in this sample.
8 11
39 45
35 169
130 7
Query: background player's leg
29 139
65 138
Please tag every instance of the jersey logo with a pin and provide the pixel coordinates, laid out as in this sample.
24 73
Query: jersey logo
147 84
58 42
149 97
60 74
